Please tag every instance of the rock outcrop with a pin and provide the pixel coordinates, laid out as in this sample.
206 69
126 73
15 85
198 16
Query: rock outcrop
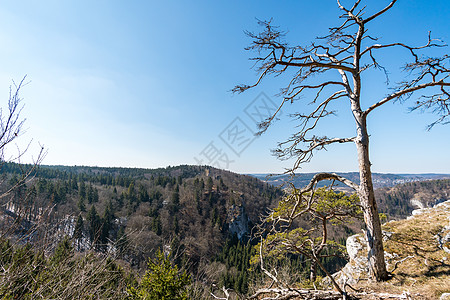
417 253
238 221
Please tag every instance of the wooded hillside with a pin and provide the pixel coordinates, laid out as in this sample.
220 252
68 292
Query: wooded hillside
193 211
201 215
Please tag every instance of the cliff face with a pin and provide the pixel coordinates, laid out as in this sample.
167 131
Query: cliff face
417 252
238 221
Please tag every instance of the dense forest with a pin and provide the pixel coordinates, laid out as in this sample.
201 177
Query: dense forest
199 214
115 219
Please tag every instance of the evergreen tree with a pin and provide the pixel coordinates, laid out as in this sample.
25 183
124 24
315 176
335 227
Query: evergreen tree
131 193
157 226
81 205
63 251
82 190
209 185
73 183
92 194
175 225
94 225
107 222
162 281
143 194
78 231
175 199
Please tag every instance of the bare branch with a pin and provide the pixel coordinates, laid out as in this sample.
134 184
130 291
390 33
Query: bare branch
11 125
314 144
430 43
405 92
329 176
315 64
380 12
10 129
28 173
226 293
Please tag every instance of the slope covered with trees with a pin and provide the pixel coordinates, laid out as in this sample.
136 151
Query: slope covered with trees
114 219
191 211
399 201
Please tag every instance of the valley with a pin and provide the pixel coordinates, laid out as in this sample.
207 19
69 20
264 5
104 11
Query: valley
203 216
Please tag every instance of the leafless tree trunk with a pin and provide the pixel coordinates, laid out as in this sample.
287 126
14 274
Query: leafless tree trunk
342 51
377 265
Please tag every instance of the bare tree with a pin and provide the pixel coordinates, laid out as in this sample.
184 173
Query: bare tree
11 128
13 191
349 52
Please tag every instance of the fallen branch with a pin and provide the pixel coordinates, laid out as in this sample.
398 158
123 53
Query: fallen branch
225 291
400 261
290 293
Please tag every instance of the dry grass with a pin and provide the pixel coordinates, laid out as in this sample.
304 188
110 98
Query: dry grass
423 267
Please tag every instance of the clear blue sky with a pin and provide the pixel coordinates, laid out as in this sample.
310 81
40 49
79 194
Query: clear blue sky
147 83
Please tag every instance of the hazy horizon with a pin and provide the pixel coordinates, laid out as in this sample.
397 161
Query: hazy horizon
242 173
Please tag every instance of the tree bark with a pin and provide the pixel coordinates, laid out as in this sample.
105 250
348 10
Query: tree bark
377 265
313 271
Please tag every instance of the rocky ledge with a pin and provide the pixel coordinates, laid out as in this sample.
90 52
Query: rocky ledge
417 253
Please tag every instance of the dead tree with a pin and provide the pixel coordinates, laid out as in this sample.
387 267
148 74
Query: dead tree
11 128
348 51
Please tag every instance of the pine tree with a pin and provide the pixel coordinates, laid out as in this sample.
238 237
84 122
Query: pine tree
157 226
175 225
94 225
82 190
81 205
209 185
78 231
107 221
161 281
63 251
175 199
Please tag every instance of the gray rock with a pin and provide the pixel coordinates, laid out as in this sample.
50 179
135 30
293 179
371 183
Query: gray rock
357 268
417 203
443 239
445 296
238 221
386 235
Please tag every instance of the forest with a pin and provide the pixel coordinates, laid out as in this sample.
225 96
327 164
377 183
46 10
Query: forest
196 213
116 221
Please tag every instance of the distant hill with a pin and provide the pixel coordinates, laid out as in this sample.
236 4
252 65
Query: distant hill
397 194
379 179
399 201
193 209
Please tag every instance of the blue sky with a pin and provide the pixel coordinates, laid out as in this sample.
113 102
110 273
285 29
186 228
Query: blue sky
147 83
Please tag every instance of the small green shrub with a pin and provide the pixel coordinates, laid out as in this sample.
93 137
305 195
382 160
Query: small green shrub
162 281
